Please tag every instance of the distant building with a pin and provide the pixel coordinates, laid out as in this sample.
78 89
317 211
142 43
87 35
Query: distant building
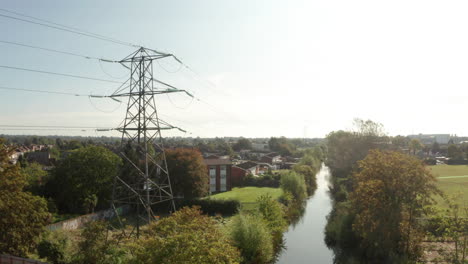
431 138
274 159
41 157
219 171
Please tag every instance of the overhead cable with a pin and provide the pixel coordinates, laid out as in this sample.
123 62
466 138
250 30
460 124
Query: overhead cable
68 29
60 74
57 51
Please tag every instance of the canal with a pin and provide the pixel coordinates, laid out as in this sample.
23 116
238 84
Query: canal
305 241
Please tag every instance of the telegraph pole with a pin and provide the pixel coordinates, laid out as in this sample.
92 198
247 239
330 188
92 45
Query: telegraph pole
149 183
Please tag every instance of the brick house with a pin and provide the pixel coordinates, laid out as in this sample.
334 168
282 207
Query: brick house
239 172
219 171
273 159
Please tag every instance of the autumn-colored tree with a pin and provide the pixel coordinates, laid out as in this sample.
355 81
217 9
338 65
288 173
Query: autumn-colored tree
22 215
187 236
390 192
189 176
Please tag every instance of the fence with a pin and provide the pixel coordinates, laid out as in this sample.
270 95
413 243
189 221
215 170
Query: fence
78 222
7 259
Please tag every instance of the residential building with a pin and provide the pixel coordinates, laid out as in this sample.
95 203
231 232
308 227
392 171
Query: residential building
240 171
219 171
274 159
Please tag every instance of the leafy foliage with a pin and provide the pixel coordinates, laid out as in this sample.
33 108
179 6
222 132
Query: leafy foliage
55 247
35 177
82 177
252 236
451 225
281 145
96 247
187 236
213 206
294 183
391 189
23 215
189 176
274 214
242 143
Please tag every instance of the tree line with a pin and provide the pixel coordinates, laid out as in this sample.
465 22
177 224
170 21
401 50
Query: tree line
380 195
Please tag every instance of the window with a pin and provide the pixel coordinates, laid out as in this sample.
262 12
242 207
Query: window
212 179
223 174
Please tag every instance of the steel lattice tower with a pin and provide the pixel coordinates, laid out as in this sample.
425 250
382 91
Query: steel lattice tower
148 183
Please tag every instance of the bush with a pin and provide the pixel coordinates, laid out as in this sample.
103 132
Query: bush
457 162
294 184
187 236
273 213
252 236
267 180
429 161
96 247
308 173
211 206
54 247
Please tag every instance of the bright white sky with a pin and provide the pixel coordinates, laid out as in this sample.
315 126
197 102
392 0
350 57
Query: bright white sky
281 68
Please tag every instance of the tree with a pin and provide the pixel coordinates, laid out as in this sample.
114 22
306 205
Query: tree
85 173
294 184
22 215
400 141
274 214
281 145
187 236
454 152
189 176
96 247
308 172
35 177
435 147
390 192
242 143
415 145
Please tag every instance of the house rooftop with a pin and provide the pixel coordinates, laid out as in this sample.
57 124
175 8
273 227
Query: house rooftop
247 165
214 162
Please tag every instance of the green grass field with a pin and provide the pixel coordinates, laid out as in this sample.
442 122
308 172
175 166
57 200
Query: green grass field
452 179
248 195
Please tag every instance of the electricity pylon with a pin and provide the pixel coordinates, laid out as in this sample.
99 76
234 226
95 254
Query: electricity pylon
147 182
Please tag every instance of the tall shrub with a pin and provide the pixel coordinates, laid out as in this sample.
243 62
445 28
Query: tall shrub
252 236
294 184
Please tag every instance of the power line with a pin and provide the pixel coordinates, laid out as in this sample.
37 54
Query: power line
65 28
60 74
41 91
44 126
56 51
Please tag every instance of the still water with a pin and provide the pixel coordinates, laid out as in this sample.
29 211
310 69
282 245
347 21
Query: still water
305 241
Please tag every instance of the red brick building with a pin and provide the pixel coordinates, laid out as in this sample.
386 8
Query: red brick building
239 172
219 171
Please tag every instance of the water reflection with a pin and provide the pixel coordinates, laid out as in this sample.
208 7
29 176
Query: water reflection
304 240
